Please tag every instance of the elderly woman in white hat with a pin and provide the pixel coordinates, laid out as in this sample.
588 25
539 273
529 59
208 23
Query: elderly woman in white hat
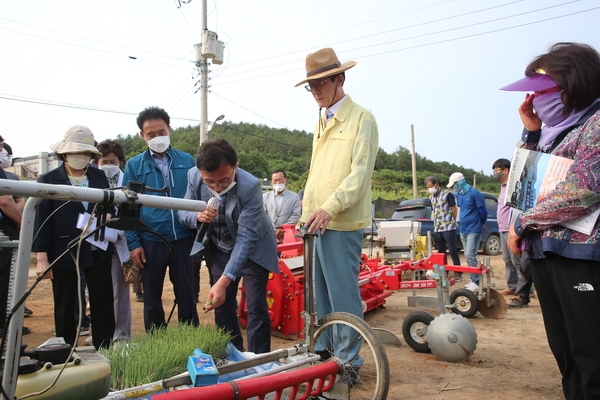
55 225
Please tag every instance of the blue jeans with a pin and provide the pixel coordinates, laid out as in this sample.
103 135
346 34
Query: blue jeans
337 265
512 263
470 243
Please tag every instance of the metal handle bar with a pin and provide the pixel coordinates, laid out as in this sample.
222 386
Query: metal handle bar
36 192
92 195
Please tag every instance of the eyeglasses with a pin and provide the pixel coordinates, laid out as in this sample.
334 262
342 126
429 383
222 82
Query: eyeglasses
222 183
315 86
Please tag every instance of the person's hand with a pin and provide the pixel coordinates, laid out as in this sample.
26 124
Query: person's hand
319 219
208 215
279 235
138 257
216 294
41 267
514 241
530 119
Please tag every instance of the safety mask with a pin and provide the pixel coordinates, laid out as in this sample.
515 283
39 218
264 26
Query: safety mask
279 187
460 187
550 108
432 190
78 161
5 159
498 175
159 144
109 170
222 192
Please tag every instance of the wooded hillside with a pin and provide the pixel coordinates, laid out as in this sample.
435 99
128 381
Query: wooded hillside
263 149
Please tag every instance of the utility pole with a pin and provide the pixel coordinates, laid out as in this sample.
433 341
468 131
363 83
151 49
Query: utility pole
203 65
414 160
209 48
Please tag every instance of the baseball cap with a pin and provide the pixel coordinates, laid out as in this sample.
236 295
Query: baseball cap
455 177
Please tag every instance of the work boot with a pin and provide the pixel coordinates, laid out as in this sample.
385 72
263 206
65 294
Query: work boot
518 302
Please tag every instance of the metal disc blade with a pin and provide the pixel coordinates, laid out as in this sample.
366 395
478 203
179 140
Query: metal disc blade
497 305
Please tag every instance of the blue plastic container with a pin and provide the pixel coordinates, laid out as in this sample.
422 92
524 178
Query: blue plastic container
202 369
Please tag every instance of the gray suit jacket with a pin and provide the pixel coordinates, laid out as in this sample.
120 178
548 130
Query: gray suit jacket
290 208
246 219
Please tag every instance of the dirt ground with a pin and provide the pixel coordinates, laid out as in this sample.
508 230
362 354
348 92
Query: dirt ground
512 359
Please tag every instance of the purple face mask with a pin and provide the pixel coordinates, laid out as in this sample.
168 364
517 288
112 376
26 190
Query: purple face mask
550 108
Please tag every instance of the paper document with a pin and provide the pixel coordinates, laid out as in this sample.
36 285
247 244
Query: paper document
532 176
110 235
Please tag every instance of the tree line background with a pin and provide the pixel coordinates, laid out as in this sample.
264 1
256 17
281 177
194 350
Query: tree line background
262 149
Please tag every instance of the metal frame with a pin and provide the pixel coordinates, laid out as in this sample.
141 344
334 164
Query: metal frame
36 193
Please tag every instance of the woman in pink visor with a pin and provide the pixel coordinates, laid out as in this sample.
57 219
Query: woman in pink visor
562 117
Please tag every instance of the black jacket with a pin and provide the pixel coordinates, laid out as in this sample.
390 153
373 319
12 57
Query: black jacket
59 230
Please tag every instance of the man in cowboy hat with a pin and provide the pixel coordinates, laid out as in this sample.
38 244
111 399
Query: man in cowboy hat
337 197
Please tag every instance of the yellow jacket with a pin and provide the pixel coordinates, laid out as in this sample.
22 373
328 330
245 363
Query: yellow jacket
343 158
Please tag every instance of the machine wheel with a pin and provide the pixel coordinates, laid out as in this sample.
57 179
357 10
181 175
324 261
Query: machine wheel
373 380
414 330
492 245
466 302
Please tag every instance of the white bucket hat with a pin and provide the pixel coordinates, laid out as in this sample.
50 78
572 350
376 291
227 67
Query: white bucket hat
78 139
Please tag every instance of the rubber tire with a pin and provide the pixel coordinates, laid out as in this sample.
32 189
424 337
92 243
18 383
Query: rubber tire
469 302
374 376
492 245
413 321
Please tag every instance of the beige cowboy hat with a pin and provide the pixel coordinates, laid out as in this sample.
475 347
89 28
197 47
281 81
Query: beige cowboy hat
78 139
324 63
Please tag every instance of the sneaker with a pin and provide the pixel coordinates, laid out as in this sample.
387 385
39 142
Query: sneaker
518 302
27 312
139 297
472 286
458 278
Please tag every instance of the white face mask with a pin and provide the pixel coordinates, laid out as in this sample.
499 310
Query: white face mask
222 192
78 161
159 144
109 170
432 190
5 159
279 187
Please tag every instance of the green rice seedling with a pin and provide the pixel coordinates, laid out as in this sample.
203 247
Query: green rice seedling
162 353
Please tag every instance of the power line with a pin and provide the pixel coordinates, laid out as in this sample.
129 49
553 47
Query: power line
415 46
84 38
382 33
253 112
348 27
270 140
94 49
78 107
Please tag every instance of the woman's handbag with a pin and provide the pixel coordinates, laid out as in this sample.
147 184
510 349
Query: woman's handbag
131 273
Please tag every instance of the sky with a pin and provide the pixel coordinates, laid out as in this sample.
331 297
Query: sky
434 64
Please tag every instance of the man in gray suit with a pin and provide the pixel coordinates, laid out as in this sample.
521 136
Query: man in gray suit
282 205
239 240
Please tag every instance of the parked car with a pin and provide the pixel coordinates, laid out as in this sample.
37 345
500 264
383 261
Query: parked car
420 210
